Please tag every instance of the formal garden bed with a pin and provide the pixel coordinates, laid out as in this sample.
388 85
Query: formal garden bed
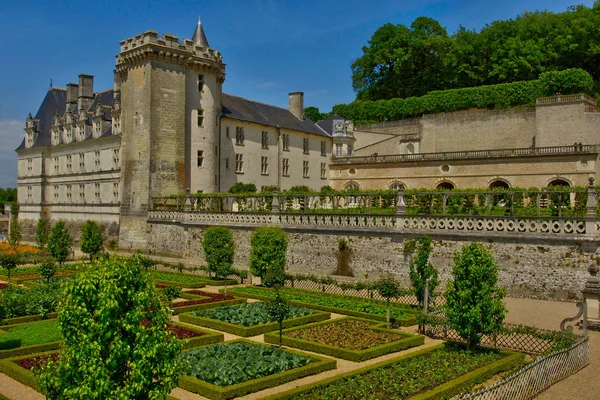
249 319
348 305
200 300
441 371
187 280
33 337
231 369
350 338
20 305
23 274
22 368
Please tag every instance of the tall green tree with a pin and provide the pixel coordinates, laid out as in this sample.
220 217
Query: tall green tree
474 301
116 341
42 233
219 250
91 239
9 262
60 242
278 308
14 234
421 270
267 257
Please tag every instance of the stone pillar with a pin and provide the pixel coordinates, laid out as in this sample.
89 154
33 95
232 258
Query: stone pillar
187 206
590 215
275 203
400 204
592 291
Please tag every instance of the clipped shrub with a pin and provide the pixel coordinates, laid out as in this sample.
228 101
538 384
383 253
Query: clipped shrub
172 292
474 305
42 232
48 270
91 239
278 309
568 81
240 187
60 242
267 258
219 250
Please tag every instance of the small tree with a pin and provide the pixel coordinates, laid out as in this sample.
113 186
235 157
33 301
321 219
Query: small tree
171 292
219 250
8 262
474 302
388 288
60 242
91 239
269 246
116 341
48 270
42 232
14 236
421 270
278 308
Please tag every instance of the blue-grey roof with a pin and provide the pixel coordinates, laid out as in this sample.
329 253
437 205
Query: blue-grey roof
252 111
327 124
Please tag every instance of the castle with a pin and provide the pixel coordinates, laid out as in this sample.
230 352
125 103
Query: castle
167 128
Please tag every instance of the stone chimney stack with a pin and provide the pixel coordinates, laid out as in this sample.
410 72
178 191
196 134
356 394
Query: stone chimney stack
297 104
86 92
72 93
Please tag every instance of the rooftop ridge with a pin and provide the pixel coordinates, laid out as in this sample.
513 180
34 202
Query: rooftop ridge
58 88
257 102
104 91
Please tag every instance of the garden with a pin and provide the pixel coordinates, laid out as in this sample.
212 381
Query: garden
174 330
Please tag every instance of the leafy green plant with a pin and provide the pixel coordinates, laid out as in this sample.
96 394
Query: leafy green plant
250 314
267 258
117 344
421 270
226 364
91 239
389 289
14 234
38 300
474 301
240 187
60 242
48 270
172 292
219 250
42 232
279 310
8 262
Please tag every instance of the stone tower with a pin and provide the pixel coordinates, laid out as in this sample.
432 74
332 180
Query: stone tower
170 100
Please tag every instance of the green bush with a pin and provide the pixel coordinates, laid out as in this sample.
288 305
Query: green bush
48 270
240 187
421 270
8 262
219 250
14 234
91 239
42 232
389 289
568 81
474 305
172 292
60 242
267 258
38 300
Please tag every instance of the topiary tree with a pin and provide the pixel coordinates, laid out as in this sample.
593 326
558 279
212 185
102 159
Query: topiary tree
48 270
91 239
42 232
278 308
267 258
219 250
8 262
389 289
474 305
116 341
421 270
14 234
60 242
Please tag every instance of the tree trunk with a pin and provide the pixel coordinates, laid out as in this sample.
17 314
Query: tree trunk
387 313
280 333
225 291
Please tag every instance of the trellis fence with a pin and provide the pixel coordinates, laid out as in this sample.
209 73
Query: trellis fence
536 377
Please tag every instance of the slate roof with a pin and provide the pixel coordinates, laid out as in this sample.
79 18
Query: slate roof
327 124
252 111
56 102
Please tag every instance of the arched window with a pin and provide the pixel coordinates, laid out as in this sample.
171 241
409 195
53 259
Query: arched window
559 182
499 184
351 186
445 185
396 186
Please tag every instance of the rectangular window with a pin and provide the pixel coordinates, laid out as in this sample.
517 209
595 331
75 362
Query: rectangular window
286 142
349 151
323 148
82 193
338 149
264 140
29 194
115 191
69 165
200 161
305 169
55 164
56 193
81 162
97 160
239 163
305 145
239 135
116 158
286 167
227 132
227 163
55 137
264 165
200 82
97 192
200 117
69 194
29 166
323 170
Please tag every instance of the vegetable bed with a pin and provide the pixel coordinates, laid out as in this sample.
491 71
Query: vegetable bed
19 302
187 280
249 319
347 305
29 338
349 338
200 300
227 370
438 372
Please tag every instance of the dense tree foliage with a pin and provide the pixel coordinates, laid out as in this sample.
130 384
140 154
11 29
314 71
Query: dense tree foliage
42 232
60 242
219 250
8 195
421 270
91 239
401 61
267 258
240 187
117 345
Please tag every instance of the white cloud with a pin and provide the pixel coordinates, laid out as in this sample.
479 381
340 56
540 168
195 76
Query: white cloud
11 135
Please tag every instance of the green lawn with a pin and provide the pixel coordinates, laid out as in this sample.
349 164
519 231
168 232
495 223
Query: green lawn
31 334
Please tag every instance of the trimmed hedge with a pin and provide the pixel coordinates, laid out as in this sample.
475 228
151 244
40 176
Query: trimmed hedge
18 373
346 354
179 284
207 338
26 319
446 390
408 321
205 306
221 393
248 331
24 350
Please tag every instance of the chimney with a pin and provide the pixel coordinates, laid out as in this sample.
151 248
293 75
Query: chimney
297 104
72 93
86 92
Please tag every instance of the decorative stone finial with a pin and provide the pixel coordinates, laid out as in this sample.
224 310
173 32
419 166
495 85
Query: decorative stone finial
591 180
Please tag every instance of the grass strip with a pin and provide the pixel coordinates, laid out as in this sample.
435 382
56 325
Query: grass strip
29 338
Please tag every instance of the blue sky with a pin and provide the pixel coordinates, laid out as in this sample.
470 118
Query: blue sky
271 47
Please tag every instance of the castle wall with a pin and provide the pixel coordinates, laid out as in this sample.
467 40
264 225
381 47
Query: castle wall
526 268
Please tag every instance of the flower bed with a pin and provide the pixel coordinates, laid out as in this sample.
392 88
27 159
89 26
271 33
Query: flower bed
36 362
438 372
29 338
349 338
249 319
227 370
22 248
347 305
